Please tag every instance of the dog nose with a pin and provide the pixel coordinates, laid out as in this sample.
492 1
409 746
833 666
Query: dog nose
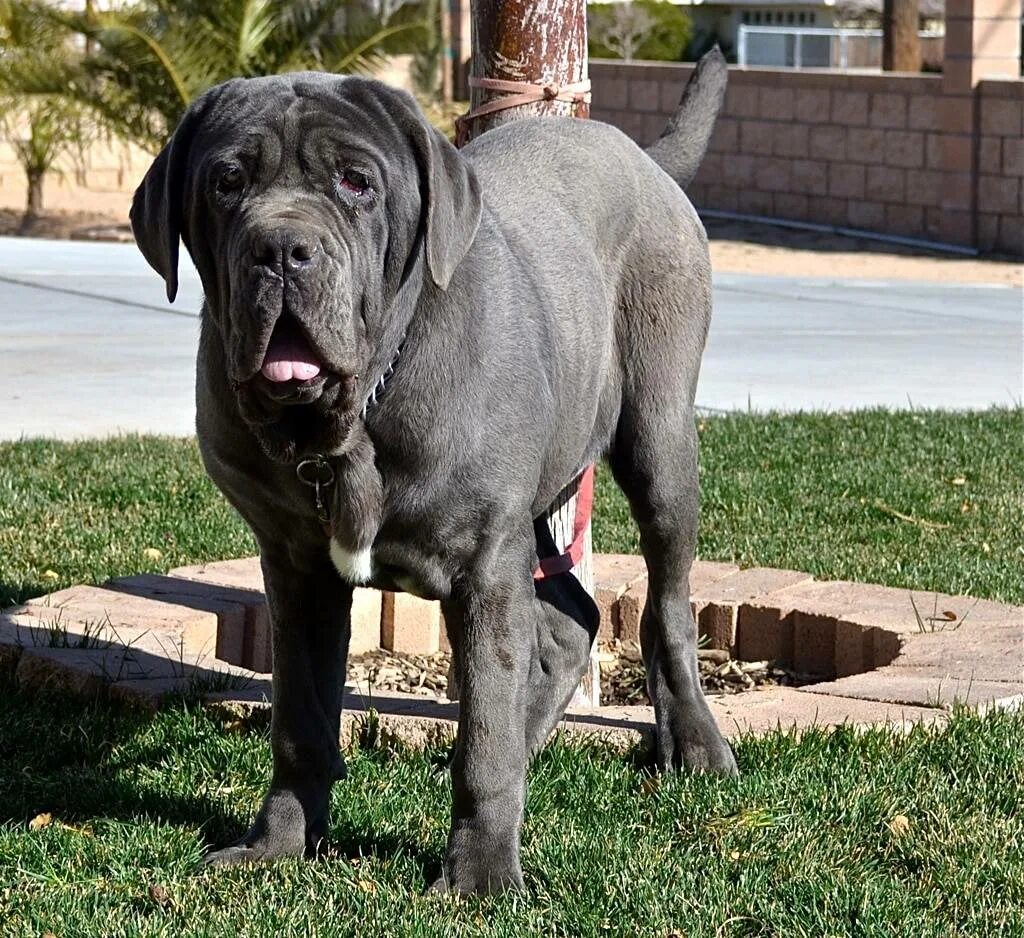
284 250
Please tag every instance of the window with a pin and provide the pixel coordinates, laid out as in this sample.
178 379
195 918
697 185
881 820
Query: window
812 16
746 17
757 16
802 18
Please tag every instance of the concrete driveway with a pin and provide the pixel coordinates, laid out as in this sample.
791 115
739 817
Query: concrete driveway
89 346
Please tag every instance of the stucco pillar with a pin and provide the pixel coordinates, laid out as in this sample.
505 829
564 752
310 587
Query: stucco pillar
982 41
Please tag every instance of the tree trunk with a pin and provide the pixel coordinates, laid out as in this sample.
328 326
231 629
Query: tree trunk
34 206
543 42
901 48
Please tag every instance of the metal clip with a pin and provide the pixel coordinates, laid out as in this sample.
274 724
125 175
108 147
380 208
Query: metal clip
317 473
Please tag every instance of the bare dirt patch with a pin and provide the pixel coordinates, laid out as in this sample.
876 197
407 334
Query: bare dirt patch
66 226
748 248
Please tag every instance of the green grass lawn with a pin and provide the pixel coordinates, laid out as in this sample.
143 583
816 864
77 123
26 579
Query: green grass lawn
922 500
833 834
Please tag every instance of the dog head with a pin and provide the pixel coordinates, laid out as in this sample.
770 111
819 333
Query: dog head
305 201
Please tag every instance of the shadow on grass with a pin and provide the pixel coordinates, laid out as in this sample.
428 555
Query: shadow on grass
101 761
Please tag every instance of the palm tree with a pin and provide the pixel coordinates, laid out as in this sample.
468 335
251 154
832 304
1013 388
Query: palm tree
41 124
151 58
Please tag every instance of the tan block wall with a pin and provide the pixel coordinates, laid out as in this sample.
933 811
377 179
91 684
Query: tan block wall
111 174
894 154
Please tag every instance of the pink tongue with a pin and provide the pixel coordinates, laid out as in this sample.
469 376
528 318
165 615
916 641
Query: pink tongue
289 357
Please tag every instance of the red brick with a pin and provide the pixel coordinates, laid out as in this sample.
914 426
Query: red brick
918 687
810 177
115 613
792 142
854 649
244 573
776 103
631 607
765 633
869 215
725 198
863 146
889 110
828 143
923 112
644 95
814 643
773 175
613 575
924 187
235 608
850 108
366 621
990 155
885 184
757 137
812 105
846 180
719 603
410 625
904 148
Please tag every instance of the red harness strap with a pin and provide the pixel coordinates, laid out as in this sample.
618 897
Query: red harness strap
563 563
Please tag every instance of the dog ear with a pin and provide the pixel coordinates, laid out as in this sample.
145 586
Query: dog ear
452 200
156 212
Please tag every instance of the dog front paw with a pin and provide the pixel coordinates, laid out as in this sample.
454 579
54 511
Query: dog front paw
688 738
281 829
475 870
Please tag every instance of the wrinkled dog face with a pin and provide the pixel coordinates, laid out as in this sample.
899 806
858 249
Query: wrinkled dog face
305 201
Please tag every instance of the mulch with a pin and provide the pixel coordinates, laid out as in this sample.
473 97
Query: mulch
623 681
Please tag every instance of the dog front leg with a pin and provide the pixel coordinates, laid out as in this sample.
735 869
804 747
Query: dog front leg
493 619
310 608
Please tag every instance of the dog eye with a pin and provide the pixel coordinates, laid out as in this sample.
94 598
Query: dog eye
232 178
351 180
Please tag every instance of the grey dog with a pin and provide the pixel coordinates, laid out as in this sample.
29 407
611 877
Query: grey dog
438 341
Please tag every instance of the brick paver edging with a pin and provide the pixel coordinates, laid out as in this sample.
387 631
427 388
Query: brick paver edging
881 654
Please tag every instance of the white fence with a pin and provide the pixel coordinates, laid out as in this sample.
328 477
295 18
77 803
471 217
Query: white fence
816 47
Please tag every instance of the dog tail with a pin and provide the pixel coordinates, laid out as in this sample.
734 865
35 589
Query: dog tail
682 144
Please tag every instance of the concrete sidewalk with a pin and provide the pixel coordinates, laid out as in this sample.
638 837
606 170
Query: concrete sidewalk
89 346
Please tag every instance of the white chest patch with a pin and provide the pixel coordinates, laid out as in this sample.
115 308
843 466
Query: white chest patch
356 567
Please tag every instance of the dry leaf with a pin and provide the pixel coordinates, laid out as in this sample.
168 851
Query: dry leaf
985 548
160 895
40 821
734 855
959 480
50 575
650 786
151 553
899 825
949 616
